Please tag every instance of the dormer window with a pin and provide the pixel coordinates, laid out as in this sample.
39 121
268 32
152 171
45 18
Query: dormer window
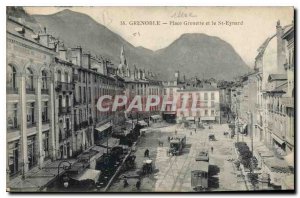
20 30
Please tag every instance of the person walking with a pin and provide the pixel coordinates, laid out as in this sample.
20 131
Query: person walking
212 149
146 154
138 184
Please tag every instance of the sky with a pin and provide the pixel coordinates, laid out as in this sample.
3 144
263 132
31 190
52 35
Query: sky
254 24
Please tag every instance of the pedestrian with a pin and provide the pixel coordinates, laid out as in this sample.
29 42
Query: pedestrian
175 132
138 184
146 154
125 183
191 133
212 149
195 131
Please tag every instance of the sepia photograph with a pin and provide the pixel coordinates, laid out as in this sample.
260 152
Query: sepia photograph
150 99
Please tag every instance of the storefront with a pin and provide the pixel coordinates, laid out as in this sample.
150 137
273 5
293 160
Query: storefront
170 116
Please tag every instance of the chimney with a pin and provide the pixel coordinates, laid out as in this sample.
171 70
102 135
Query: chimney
44 38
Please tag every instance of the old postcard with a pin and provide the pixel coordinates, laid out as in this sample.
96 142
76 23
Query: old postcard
150 99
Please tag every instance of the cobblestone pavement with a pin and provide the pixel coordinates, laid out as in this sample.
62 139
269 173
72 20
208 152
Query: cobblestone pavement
173 173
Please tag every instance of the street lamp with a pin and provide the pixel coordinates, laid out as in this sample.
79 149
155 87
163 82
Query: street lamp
66 166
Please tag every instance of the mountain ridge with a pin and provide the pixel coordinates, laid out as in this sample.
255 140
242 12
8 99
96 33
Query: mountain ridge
191 53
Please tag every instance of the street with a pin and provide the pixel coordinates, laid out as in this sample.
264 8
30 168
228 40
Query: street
173 173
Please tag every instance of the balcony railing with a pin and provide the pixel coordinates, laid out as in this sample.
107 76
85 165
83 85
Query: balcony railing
45 121
14 127
30 90
12 90
64 87
45 91
31 124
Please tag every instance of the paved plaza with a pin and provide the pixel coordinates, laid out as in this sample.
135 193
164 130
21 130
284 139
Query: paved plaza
173 173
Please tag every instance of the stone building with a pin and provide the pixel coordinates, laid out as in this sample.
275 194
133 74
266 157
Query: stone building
138 82
30 99
52 93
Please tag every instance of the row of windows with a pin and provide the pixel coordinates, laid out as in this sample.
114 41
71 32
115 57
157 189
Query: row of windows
13 120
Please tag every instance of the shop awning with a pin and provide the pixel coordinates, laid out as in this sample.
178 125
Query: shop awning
208 118
170 113
142 123
155 117
277 139
103 127
190 118
111 142
88 174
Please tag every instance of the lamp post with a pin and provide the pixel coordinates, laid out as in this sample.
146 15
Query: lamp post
66 166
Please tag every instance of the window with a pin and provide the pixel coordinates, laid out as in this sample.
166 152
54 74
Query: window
79 93
66 77
29 80
30 113
31 146
45 112
74 60
44 80
212 113
13 154
206 112
60 103
12 119
46 144
212 103
212 96
90 95
205 96
84 95
59 76
11 78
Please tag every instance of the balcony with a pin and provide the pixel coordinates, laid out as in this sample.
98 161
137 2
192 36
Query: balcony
11 90
31 124
30 91
45 121
45 91
14 127
64 87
